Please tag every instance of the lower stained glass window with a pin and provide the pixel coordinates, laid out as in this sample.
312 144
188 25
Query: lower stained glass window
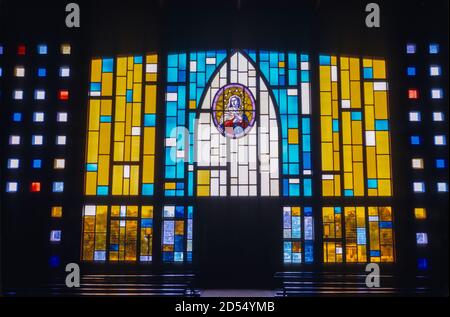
351 244
112 233
298 238
177 232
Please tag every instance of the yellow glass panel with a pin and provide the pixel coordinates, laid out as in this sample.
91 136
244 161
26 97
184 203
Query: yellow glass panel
379 69
105 139
137 95
344 63
295 211
203 177
121 66
354 69
170 185
57 211
120 109
149 140
121 86
107 84
345 85
134 180
118 151
368 93
117 180
202 190
367 62
325 78
151 58
327 157
380 105
92 155
96 70
135 148
150 99
328 188
148 169
420 213
91 183
293 136
94 114
382 142
355 94
103 170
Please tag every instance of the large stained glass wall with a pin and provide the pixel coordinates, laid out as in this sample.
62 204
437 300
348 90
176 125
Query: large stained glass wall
120 158
355 159
288 76
355 138
187 77
288 82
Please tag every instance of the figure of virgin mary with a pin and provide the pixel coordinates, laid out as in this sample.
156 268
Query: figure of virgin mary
234 121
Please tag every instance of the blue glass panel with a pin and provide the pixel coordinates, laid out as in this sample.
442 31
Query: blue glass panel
368 72
17 116
182 76
146 223
304 76
433 48
54 261
411 71
294 189
381 125
149 120
170 171
356 115
147 189
307 187
415 140
114 247
172 75
37 163
138 59
309 254
129 97
292 121
172 60
361 236
105 118
348 192
335 125
324 60
306 143
107 65
372 183
102 190
422 263
91 167
42 72
440 163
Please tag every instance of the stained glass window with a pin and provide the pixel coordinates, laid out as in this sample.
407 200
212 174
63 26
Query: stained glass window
355 135
120 118
112 233
204 88
120 157
177 234
367 237
298 235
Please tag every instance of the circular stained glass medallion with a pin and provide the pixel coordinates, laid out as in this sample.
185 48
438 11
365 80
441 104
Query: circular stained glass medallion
234 110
